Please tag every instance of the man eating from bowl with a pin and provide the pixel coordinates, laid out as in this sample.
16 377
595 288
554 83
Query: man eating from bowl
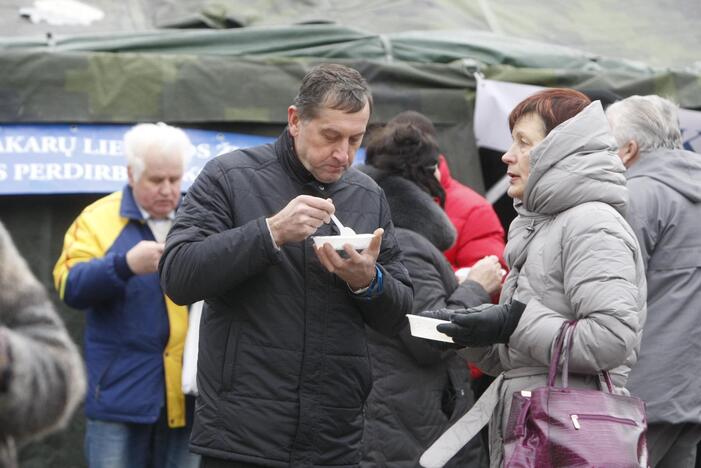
283 368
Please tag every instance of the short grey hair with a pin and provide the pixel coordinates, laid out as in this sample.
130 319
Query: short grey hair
651 121
334 86
143 138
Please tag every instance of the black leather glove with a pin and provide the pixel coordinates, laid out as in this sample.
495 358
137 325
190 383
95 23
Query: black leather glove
441 314
483 325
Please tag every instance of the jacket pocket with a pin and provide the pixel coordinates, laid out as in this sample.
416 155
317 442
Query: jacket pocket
230 352
677 258
102 380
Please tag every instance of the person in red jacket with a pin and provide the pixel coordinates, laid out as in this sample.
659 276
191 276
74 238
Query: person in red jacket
479 230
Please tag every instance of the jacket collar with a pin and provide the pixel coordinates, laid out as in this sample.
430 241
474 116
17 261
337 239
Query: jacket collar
413 209
285 149
128 208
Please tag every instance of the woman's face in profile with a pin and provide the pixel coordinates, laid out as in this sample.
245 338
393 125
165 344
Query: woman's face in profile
528 131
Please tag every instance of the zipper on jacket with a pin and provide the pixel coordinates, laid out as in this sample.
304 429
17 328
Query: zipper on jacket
599 417
575 421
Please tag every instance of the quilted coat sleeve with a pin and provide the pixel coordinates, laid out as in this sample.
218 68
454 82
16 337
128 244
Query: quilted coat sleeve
205 253
84 274
603 283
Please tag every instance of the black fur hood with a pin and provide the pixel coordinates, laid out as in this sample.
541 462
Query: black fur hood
414 209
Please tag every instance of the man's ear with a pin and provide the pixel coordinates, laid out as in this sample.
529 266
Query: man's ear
629 153
293 120
130 176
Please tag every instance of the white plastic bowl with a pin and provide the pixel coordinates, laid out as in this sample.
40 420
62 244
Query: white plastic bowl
425 327
357 241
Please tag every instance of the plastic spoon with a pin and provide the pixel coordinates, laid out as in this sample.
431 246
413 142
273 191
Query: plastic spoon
342 230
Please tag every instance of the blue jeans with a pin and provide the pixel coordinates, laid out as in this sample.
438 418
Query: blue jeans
127 445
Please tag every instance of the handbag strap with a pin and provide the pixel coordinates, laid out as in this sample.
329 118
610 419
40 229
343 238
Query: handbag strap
557 353
563 347
607 379
464 429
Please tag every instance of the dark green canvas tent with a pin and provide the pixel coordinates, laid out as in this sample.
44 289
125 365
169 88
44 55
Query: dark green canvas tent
234 65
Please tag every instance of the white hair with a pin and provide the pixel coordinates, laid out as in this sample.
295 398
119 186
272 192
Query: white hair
144 138
651 121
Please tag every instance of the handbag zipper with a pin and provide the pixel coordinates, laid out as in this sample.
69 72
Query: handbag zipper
575 421
599 417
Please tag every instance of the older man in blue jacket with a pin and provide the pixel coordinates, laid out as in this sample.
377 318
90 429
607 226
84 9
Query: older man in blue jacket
134 336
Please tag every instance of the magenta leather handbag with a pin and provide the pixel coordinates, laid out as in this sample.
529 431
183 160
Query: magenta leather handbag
571 427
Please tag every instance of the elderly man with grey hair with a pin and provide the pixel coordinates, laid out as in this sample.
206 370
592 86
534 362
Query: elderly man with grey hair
664 211
134 334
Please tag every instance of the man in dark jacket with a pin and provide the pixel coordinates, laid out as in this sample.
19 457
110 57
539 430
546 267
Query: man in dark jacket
283 363
664 211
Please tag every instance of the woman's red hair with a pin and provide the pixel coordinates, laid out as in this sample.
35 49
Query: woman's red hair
553 105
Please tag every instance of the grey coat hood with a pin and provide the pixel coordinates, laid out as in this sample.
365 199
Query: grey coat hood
576 163
678 169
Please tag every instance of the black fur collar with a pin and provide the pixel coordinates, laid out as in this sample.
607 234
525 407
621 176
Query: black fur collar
414 209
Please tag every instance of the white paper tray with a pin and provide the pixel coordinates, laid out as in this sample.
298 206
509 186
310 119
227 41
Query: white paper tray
425 327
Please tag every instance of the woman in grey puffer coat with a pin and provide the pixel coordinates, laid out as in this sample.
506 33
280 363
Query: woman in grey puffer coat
572 257
418 390
41 372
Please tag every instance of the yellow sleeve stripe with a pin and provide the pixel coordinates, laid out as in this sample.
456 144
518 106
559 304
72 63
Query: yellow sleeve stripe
90 236
173 363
